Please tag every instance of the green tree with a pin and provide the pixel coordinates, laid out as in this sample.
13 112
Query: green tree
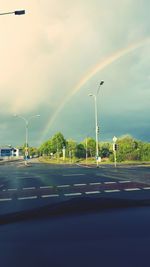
90 144
33 151
80 151
71 147
128 149
46 148
144 150
105 149
58 142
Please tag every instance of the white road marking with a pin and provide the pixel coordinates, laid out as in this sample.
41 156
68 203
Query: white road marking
122 182
146 188
132 189
94 183
63 185
5 199
22 198
72 194
26 188
44 187
12 189
109 182
54 195
92 192
84 166
74 174
112 191
79 184
4 190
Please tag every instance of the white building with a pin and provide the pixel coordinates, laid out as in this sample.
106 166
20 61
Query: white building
10 152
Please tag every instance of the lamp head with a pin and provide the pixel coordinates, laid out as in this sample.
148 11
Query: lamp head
101 82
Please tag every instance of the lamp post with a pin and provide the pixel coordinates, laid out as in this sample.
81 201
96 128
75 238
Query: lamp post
96 121
17 12
26 132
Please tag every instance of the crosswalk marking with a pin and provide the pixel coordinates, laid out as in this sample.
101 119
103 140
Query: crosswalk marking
132 189
92 192
95 183
112 191
53 195
72 194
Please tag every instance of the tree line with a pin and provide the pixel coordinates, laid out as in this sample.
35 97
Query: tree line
128 148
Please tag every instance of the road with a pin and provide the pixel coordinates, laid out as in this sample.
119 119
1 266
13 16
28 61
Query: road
23 188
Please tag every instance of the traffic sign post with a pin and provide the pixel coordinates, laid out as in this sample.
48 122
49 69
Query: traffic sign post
64 153
115 149
26 154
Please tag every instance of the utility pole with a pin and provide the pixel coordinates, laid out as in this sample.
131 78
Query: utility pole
96 122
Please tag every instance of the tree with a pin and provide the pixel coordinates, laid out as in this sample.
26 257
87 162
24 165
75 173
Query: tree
128 149
80 151
46 148
90 144
71 147
105 150
33 151
58 142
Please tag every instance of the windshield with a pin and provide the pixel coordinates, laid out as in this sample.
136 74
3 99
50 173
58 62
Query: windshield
74 92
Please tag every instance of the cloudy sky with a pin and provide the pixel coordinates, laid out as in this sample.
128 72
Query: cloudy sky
55 55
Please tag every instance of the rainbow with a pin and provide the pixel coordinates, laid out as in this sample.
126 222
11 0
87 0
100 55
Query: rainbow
100 66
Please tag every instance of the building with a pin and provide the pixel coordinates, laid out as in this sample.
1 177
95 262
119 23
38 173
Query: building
10 152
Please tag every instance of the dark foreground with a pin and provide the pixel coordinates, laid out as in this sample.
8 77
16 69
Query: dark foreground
74 216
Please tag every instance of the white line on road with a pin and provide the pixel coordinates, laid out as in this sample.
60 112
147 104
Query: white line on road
94 183
63 185
45 187
23 198
5 199
26 188
84 166
92 192
79 184
122 182
146 188
72 194
54 195
109 182
132 189
112 191
12 189
74 174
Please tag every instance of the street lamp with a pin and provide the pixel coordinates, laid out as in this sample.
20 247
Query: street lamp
26 128
96 120
17 12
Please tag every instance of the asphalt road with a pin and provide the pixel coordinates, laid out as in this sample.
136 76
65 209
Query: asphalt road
23 188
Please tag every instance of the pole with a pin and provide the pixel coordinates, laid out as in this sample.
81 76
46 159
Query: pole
114 150
96 130
96 122
86 151
7 13
115 158
26 133
26 148
17 12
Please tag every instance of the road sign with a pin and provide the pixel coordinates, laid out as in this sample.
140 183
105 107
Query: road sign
114 139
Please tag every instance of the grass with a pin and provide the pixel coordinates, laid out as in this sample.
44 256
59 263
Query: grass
89 161
57 160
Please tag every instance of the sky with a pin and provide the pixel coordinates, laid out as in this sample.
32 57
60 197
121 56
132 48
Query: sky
56 54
